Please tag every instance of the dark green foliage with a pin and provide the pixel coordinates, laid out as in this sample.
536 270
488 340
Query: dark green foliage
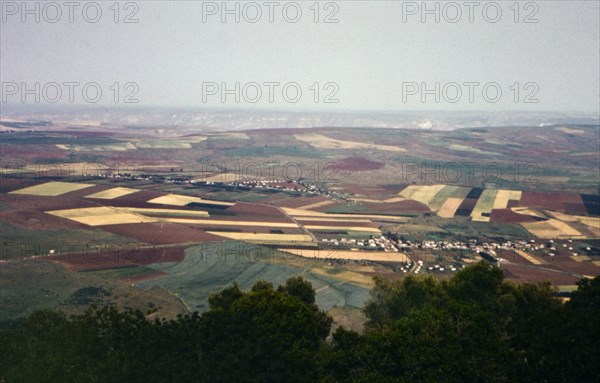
474 327
261 336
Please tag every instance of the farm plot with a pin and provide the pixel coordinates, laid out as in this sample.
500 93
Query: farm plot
317 205
51 189
171 213
449 208
112 193
503 196
299 213
526 273
183 200
182 143
207 269
422 193
483 208
162 233
449 191
264 237
510 216
218 222
114 147
529 257
320 141
552 228
334 220
364 229
566 202
119 258
100 216
378 256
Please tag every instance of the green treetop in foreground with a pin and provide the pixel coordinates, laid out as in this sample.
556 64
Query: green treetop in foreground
475 327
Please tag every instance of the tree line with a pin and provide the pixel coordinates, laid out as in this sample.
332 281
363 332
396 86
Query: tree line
474 327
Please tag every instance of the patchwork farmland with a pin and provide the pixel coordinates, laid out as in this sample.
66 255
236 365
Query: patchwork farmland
140 214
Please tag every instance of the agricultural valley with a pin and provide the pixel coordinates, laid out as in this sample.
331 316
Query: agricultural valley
159 218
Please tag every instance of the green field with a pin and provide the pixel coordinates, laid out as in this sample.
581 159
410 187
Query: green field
210 268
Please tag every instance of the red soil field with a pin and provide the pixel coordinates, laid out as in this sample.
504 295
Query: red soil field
524 273
139 199
509 216
567 264
114 259
161 234
567 202
37 220
256 209
41 203
33 152
358 164
232 229
10 184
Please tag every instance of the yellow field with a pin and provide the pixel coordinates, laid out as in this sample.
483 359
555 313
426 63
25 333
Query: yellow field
564 227
503 196
552 229
326 219
593 222
323 142
344 276
529 257
381 256
484 205
52 189
317 204
260 237
217 222
299 213
449 207
182 200
344 228
99 216
165 212
112 193
422 193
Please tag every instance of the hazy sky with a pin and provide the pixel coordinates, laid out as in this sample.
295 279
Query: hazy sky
377 56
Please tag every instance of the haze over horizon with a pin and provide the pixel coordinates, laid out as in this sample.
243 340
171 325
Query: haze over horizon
376 57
